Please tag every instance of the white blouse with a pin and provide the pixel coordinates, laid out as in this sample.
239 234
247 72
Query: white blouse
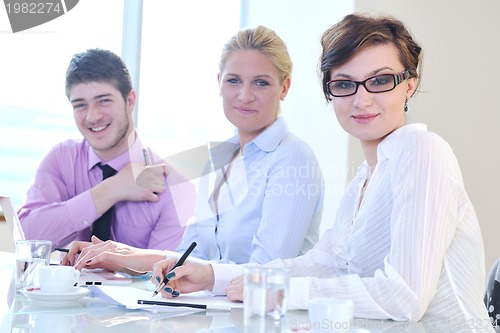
413 251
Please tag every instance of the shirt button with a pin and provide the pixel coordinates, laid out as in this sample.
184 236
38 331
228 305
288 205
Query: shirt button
85 222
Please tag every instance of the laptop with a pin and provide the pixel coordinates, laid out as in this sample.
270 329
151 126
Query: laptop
15 231
98 277
87 276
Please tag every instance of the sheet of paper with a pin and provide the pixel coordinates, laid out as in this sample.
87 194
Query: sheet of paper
129 296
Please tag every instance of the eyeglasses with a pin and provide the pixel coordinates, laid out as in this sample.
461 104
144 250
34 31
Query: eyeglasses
374 84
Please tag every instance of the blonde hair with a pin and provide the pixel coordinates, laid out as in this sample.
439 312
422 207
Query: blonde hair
263 40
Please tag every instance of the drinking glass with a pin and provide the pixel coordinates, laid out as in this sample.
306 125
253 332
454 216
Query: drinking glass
30 254
265 292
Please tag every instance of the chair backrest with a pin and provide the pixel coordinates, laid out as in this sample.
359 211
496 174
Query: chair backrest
492 294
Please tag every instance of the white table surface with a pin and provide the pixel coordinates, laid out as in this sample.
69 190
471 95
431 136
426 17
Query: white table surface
19 315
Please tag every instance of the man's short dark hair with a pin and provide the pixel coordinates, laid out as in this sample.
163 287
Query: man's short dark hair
97 65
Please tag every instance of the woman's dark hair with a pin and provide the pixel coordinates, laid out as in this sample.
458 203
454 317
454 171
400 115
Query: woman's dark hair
356 31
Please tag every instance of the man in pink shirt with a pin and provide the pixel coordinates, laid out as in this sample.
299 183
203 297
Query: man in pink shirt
69 197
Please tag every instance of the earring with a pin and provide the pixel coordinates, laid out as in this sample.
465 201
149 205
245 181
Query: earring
406 105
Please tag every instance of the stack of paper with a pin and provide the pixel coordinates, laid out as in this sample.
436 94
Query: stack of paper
134 298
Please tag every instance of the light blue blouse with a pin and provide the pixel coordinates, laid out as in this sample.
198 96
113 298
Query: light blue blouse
268 207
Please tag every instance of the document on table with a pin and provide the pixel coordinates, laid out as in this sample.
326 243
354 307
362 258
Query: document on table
135 298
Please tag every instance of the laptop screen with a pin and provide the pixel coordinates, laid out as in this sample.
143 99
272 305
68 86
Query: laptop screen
14 226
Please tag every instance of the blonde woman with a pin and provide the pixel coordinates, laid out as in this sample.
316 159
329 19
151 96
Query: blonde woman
267 198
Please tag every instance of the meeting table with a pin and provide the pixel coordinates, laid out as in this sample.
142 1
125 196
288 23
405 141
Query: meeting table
20 314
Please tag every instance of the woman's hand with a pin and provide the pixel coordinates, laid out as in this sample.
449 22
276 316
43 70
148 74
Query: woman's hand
187 278
234 290
112 256
69 259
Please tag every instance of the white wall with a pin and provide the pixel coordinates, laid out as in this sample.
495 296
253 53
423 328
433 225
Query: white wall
300 24
457 98
459 92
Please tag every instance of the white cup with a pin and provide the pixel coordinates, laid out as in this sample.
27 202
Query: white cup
330 314
265 292
57 279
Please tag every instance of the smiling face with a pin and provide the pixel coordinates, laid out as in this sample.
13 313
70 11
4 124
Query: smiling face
370 117
103 117
251 92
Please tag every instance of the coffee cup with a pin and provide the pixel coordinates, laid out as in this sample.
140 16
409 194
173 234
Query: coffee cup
330 314
57 279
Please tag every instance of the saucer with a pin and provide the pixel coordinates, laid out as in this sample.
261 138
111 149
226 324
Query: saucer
36 296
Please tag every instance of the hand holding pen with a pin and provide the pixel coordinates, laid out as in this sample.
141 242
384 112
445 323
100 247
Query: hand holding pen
177 264
146 152
152 176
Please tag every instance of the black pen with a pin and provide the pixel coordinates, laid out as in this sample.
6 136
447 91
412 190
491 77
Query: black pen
188 305
145 153
177 264
64 250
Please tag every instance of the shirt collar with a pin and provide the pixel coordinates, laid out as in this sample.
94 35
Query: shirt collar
222 153
387 146
272 136
133 154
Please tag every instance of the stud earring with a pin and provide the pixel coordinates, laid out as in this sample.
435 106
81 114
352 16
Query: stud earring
406 105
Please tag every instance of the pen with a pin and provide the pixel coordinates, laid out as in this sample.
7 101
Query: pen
64 250
146 156
177 264
189 305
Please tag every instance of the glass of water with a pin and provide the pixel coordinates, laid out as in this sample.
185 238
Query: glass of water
30 254
265 292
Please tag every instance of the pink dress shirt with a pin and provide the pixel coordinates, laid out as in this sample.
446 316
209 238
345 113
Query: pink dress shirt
59 205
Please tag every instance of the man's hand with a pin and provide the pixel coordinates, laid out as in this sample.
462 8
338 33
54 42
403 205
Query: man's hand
134 182
137 182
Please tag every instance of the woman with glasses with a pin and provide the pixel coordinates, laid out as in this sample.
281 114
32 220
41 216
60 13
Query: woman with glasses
406 244
263 199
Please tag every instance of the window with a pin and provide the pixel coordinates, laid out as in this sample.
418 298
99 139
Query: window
34 111
178 94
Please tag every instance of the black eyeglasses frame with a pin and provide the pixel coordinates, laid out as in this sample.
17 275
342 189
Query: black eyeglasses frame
398 78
